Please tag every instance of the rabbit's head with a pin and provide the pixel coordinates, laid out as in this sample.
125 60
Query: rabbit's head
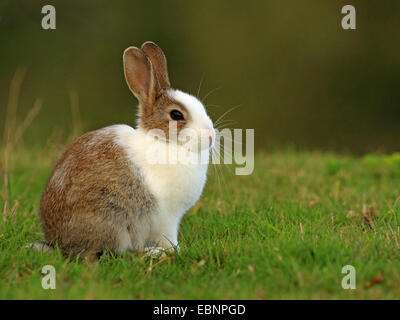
181 117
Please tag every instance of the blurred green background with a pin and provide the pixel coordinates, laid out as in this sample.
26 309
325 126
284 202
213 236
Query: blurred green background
299 78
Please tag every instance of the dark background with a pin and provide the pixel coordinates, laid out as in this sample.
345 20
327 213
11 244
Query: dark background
299 78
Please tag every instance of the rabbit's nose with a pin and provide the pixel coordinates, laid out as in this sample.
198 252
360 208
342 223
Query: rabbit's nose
210 133
210 139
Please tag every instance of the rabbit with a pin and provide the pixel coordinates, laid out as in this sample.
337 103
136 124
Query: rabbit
105 194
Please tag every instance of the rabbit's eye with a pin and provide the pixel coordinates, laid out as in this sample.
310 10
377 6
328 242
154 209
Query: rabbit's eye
176 115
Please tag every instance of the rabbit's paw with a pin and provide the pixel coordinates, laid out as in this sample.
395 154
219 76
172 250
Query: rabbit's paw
155 252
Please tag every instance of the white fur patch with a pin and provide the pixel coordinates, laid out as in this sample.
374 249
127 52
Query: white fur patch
125 243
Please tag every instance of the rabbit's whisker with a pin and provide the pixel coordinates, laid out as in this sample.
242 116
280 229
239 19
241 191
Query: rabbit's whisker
226 113
199 87
210 92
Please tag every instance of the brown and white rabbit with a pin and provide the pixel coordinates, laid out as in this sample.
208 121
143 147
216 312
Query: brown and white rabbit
105 194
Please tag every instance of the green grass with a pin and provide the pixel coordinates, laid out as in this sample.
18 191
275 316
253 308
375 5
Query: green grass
284 232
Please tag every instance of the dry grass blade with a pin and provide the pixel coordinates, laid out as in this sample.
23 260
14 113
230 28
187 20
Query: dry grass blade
368 216
76 118
12 107
33 112
13 133
9 129
39 159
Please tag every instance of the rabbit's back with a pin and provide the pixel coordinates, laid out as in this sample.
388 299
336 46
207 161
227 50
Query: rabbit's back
96 198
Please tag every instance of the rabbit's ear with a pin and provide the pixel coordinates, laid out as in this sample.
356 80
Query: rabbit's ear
159 61
140 75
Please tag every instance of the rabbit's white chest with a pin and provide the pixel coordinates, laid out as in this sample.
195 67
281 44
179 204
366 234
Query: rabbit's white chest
175 186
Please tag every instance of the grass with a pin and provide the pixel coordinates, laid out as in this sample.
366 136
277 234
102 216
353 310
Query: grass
283 232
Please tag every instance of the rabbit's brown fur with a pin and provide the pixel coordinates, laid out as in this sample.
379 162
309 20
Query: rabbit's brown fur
93 191
156 115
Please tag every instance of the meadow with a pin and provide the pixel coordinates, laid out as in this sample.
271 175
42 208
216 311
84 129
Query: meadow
284 232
